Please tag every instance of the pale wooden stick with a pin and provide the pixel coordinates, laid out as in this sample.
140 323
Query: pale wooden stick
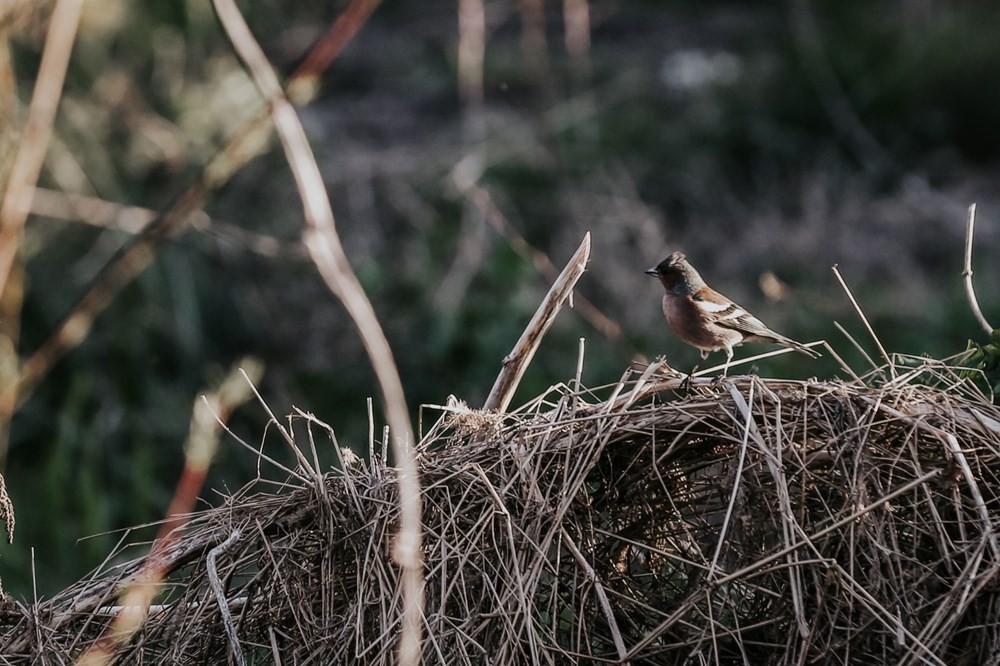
517 361
41 113
324 246
970 229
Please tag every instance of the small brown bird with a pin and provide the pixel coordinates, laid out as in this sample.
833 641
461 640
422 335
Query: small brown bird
704 318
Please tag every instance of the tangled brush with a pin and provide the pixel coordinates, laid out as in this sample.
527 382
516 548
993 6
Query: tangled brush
750 521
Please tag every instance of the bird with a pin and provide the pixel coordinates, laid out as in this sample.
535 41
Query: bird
707 320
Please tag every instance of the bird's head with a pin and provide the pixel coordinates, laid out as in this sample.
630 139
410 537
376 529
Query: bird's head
677 275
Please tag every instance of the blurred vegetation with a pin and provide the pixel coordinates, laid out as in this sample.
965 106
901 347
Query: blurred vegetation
768 140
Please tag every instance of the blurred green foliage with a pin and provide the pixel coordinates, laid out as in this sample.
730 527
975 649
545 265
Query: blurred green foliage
749 168
985 359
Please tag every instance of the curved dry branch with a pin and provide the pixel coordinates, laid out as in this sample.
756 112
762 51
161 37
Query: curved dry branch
970 230
323 243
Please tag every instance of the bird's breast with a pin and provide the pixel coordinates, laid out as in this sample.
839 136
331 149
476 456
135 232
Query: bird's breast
688 322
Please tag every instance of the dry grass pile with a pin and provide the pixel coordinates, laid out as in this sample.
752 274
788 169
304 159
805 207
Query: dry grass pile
751 522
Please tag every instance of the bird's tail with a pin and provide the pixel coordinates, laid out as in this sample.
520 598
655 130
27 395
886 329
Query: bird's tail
798 346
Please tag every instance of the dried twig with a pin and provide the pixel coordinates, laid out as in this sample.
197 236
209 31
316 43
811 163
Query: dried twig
220 595
28 163
483 201
970 292
517 361
6 510
737 479
303 83
602 596
139 252
864 320
15 201
199 451
134 220
324 245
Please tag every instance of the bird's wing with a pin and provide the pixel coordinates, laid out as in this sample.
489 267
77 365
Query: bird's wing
719 310
722 312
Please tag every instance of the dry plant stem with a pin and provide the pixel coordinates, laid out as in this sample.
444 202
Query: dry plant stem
483 201
576 18
303 80
244 144
856 344
736 575
602 596
886 617
864 320
155 609
951 442
323 243
902 490
788 521
977 496
134 220
520 357
970 292
16 200
220 595
12 296
199 451
713 567
128 263
6 510
44 101
751 359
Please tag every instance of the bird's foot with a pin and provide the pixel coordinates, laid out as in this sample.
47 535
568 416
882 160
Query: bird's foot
686 384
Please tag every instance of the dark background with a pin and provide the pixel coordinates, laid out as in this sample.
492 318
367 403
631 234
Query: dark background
768 140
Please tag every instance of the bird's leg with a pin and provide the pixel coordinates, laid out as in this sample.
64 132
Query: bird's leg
729 359
687 382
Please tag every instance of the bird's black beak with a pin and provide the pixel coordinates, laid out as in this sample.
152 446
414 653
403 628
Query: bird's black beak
653 272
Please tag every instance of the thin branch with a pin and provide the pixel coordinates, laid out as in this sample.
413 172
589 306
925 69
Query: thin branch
323 243
602 596
303 82
209 412
738 399
483 201
6 510
517 361
134 220
246 142
220 596
864 320
41 113
779 554
970 230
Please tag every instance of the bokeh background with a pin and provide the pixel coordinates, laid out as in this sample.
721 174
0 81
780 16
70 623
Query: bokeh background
769 140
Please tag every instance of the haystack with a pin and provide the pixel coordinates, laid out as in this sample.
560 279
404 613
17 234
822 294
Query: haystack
747 521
